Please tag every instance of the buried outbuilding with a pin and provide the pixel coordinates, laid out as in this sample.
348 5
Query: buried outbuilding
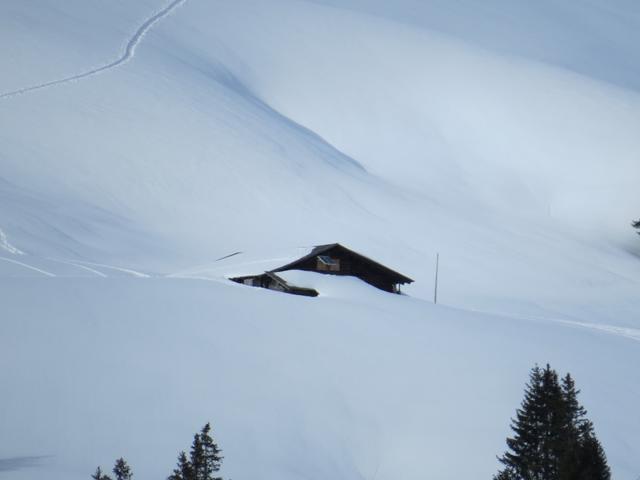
331 259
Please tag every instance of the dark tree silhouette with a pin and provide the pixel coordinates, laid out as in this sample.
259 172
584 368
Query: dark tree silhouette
98 475
553 439
121 470
537 430
206 456
203 462
184 470
204 459
584 457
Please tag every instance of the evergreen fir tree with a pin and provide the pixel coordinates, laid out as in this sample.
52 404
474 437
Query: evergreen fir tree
553 439
196 457
506 474
204 459
584 458
184 469
576 413
98 475
539 430
210 459
576 430
121 470
593 461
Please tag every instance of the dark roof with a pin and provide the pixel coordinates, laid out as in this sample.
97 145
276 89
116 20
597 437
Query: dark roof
320 249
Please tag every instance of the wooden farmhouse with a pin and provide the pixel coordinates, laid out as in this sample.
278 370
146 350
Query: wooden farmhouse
332 259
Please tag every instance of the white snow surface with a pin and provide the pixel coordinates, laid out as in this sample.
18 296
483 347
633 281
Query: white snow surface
238 264
140 141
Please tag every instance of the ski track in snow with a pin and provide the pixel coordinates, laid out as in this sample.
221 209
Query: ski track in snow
30 267
128 54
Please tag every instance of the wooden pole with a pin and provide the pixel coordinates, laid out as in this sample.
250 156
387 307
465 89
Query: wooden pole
435 288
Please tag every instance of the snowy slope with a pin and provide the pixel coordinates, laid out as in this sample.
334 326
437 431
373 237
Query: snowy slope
594 38
190 151
340 385
433 112
141 141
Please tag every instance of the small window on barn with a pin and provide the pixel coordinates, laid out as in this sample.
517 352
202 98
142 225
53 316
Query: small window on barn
328 264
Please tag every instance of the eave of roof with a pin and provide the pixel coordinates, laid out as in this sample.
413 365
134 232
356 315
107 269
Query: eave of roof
320 249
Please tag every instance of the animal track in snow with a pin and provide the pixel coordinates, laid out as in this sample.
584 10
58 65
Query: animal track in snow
128 54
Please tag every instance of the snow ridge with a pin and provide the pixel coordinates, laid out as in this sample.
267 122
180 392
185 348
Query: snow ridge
127 55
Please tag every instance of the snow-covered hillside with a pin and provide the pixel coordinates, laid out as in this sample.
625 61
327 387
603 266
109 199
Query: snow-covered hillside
141 141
